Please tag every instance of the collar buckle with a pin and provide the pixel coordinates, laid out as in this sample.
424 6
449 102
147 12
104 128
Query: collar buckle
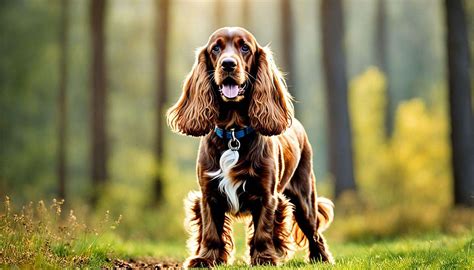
233 140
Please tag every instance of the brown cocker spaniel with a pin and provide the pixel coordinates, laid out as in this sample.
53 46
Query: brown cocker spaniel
254 157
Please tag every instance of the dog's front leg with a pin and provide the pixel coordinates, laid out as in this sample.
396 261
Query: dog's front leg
262 250
216 243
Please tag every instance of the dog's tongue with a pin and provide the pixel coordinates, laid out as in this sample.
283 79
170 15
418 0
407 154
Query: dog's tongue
230 91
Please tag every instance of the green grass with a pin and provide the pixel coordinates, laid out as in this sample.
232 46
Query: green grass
428 252
38 236
435 252
422 252
41 236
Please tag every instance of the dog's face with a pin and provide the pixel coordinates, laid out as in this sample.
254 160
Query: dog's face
232 55
232 67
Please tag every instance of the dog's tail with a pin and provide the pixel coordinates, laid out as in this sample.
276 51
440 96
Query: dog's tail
325 213
325 216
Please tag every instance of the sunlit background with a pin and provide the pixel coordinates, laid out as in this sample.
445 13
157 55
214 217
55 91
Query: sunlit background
402 170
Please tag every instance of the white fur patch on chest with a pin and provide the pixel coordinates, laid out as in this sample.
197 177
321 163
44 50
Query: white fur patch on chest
227 185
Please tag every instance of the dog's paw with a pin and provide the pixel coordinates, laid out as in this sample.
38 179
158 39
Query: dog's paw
325 257
264 259
199 262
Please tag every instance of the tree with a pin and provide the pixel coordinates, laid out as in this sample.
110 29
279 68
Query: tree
334 64
380 44
161 47
62 99
218 13
99 147
460 109
246 14
287 42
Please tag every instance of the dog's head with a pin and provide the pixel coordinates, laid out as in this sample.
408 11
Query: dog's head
230 68
232 54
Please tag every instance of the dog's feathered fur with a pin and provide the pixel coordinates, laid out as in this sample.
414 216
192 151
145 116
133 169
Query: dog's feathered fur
270 179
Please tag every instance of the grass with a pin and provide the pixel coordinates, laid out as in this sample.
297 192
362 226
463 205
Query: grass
421 252
40 236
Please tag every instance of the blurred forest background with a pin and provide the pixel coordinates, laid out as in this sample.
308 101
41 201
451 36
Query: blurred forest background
84 86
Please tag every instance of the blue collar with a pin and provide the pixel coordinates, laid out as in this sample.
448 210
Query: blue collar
238 133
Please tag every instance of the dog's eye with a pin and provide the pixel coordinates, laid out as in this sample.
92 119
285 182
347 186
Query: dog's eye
245 48
216 49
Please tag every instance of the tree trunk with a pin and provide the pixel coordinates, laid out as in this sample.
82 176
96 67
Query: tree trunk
62 99
99 141
287 42
219 14
380 44
334 62
161 47
462 133
246 14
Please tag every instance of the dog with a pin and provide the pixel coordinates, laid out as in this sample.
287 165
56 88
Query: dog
254 158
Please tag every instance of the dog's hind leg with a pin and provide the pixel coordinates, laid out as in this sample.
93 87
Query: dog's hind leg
309 218
308 221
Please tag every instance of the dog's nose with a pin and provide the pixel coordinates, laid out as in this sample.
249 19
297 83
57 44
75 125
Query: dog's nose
229 64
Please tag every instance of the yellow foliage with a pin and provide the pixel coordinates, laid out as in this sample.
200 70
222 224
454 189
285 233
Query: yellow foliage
403 181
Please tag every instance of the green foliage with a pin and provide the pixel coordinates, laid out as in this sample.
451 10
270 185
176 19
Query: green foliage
130 195
27 79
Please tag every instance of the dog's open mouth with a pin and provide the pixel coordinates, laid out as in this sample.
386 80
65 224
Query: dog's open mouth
230 89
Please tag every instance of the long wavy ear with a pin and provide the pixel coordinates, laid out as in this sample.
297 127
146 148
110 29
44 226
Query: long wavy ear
271 109
196 110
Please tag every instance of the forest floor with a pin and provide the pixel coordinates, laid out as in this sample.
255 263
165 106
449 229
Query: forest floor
423 252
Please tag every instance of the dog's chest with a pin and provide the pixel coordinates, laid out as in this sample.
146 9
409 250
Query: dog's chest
229 185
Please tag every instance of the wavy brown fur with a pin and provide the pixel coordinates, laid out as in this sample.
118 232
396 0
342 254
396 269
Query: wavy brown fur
270 110
195 228
196 111
274 170
282 240
325 213
193 221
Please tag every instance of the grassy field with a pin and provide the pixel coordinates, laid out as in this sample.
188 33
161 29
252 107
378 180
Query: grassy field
423 252
39 236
